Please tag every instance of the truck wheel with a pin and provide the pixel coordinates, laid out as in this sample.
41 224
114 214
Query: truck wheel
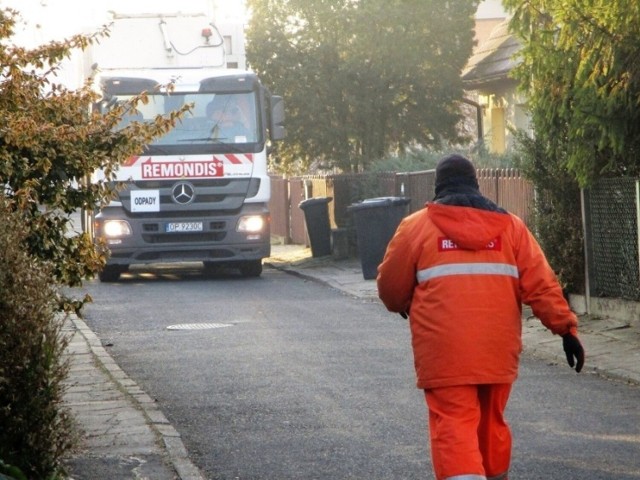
251 268
110 273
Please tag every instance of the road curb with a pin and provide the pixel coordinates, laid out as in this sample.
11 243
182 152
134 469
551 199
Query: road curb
156 420
330 278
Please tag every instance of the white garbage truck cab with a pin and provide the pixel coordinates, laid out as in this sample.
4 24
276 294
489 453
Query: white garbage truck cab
201 191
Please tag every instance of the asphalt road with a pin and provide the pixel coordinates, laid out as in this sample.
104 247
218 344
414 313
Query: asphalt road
282 378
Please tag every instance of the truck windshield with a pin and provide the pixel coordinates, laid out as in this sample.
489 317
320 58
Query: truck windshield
224 118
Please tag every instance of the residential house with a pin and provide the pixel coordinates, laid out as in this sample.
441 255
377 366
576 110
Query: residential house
492 90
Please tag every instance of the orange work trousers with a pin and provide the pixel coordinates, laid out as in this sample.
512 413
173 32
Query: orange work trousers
470 438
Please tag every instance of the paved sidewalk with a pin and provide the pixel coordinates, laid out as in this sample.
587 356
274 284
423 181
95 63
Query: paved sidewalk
128 437
125 435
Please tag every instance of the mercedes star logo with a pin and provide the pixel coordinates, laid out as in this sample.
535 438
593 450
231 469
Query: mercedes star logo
183 193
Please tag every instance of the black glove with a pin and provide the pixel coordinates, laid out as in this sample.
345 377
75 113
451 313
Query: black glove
573 348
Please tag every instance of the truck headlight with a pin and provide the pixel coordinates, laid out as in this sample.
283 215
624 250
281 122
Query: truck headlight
116 228
251 224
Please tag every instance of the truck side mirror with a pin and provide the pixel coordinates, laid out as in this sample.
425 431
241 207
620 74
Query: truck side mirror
276 127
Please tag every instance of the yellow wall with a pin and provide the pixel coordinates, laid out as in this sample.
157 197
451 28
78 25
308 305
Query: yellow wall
498 130
503 110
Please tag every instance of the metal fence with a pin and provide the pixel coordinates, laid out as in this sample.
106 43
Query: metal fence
611 209
504 186
611 215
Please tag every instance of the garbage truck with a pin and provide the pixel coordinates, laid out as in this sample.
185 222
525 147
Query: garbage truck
200 192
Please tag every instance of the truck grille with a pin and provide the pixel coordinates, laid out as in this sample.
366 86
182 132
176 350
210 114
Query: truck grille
220 195
184 237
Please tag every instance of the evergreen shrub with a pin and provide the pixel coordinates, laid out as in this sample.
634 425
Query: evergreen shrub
557 218
36 430
423 159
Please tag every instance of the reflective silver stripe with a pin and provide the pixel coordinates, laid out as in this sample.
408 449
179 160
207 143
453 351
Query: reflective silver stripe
467 269
467 477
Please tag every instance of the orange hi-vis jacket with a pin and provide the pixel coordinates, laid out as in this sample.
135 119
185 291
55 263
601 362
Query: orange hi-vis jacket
463 274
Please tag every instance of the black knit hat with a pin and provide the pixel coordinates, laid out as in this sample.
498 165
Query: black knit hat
453 170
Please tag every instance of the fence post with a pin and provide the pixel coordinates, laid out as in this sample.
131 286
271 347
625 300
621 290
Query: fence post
401 186
585 233
638 221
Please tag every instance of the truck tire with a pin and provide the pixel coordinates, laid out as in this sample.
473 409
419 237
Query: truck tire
251 268
110 273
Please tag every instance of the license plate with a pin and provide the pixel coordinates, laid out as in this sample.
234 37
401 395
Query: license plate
183 227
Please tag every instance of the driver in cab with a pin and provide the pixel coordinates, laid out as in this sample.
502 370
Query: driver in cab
227 122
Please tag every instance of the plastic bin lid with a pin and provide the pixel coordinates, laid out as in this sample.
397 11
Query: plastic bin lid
380 202
314 201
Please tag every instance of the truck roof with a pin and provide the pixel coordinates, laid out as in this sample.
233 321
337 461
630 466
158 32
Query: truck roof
185 79
160 41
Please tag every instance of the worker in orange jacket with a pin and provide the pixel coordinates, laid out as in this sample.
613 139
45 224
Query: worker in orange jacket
461 268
